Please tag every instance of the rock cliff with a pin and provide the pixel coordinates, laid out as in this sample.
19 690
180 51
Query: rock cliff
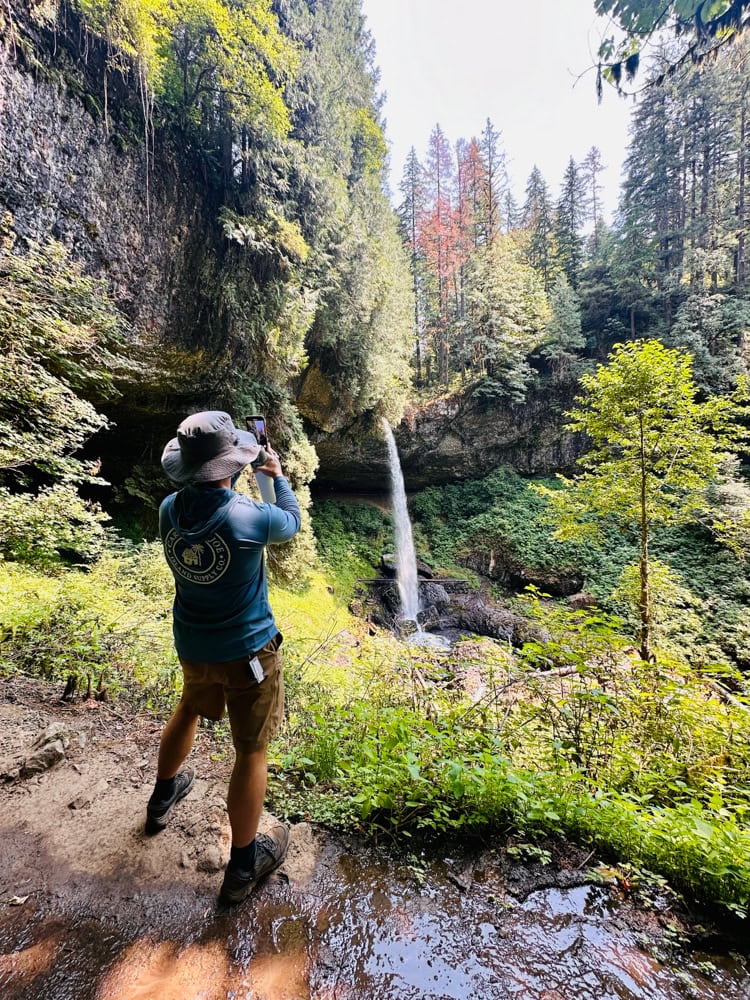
68 174
459 437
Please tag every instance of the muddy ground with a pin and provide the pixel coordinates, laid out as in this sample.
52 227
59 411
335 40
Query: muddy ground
93 909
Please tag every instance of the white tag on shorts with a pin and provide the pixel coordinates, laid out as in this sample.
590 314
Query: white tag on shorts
257 668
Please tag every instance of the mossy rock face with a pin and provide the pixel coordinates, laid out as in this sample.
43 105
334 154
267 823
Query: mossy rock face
319 404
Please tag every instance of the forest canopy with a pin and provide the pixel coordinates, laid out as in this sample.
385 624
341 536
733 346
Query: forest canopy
672 265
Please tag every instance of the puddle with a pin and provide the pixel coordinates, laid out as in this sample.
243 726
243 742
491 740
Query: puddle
359 928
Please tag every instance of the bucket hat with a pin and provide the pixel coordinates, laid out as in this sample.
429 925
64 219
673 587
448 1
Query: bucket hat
209 447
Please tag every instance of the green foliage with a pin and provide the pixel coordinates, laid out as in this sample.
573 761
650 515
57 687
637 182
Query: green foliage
61 340
362 329
369 149
569 220
647 432
194 55
563 337
508 312
710 325
675 610
110 625
49 526
61 352
700 27
351 538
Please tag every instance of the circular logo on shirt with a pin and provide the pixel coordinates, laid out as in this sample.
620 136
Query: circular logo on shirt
205 561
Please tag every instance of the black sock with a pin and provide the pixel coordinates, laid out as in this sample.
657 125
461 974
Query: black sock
163 789
243 858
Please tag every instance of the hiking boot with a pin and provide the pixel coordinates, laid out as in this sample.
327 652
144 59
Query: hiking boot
270 851
158 810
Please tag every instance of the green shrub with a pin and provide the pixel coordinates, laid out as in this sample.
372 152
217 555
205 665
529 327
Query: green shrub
110 626
54 524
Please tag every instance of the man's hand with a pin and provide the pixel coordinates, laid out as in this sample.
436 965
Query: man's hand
272 465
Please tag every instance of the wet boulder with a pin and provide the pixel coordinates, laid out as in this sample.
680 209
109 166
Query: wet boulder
581 601
433 594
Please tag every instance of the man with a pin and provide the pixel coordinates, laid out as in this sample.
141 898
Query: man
225 635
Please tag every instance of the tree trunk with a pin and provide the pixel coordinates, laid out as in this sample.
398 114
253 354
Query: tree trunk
645 595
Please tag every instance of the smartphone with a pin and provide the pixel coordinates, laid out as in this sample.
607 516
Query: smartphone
257 424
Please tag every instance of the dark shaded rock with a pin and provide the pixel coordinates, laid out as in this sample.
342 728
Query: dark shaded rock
405 627
389 567
429 618
391 598
62 175
388 564
555 583
425 571
500 562
473 614
522 881
447 607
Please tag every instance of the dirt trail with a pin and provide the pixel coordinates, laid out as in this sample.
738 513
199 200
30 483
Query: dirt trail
92 909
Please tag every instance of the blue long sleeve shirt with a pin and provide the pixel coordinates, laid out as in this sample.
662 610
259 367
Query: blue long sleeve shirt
214 542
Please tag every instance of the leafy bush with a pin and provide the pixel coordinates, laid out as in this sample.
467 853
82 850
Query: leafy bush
110 625
60 341
54 524
60 353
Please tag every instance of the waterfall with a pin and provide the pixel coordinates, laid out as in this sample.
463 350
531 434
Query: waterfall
406 558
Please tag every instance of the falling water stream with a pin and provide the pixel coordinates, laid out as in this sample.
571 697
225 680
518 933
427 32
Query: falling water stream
406 559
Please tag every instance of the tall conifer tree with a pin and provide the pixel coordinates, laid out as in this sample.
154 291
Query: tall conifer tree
569 220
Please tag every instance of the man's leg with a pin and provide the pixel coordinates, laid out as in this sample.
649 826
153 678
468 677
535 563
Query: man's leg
171 783
176 741
253 855
255 713
247 790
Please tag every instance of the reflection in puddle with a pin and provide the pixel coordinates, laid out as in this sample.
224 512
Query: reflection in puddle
356 930
146 971
26 964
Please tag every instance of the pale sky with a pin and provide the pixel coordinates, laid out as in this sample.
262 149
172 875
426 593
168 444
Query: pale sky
457 63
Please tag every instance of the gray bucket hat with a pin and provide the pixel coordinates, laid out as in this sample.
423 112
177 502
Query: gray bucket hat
209 447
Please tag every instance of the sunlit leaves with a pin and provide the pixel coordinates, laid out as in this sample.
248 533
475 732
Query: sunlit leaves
60 348
701 26
194 54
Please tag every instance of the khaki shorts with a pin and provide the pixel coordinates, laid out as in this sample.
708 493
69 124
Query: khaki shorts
255 710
